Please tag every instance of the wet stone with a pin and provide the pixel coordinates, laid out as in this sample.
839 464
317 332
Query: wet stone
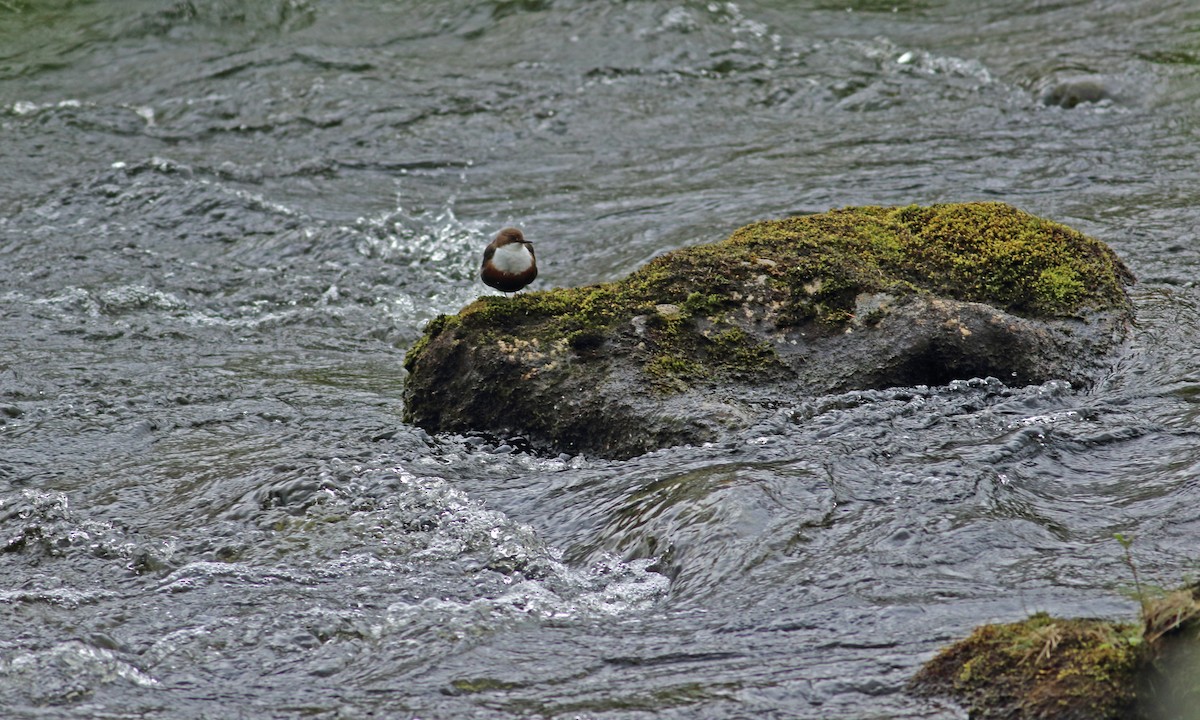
700 344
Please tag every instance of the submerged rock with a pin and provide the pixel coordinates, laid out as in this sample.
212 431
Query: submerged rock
1073 90
699 341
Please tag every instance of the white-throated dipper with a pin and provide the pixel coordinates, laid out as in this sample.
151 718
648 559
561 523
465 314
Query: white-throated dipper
508 261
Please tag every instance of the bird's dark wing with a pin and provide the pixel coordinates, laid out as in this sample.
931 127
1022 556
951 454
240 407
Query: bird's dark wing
488 252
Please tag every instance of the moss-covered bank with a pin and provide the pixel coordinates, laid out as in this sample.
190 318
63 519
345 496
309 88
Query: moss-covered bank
852 298
1071 669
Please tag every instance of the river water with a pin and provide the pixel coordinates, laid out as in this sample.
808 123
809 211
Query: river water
222 224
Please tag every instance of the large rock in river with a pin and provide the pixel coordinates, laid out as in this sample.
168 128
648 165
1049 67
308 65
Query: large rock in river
701 340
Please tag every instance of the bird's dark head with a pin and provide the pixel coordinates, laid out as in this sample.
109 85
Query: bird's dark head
509 235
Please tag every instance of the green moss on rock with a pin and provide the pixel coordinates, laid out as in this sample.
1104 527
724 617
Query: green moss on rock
1042 667
670 373
811 269
981 252
1045 667
695 342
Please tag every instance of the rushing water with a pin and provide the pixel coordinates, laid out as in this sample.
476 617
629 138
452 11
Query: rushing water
222 223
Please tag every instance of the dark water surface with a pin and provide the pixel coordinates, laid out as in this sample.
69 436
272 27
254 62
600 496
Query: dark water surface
222 224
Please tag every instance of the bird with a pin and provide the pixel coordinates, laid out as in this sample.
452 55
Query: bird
508 261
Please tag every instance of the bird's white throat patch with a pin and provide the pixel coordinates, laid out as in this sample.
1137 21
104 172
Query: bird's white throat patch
512 258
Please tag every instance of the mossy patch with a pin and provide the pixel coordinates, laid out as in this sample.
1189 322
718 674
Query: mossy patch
1042 667
982 252
435 327
1045 667
670 373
